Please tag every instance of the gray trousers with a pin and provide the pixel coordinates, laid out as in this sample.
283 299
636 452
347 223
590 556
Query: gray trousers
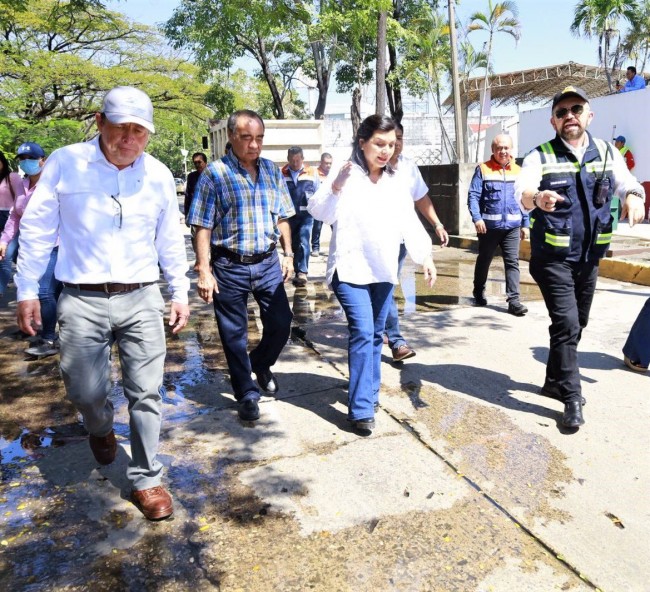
89 324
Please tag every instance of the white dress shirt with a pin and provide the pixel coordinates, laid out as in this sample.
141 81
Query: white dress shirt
411 173
370 221
73 202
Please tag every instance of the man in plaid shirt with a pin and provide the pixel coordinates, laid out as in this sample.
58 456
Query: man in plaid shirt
240 210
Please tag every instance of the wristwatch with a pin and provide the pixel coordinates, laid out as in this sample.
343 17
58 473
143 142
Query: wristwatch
290 255
537 194
635 192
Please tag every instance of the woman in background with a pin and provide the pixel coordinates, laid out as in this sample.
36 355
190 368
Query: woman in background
11 186
371 213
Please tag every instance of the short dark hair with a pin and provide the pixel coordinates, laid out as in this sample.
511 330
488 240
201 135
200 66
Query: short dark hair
293 151
232 120
325 155
632 69
368 127
4 172
204 158
399 126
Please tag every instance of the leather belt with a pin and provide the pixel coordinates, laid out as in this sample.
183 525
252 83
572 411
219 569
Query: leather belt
243 259
108 288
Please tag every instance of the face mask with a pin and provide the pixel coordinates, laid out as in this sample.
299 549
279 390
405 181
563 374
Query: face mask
30 167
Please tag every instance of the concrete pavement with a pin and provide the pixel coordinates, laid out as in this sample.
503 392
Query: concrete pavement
467 484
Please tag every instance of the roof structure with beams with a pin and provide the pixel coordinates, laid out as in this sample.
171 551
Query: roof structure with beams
538 85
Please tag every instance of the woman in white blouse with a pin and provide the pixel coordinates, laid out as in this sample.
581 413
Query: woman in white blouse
371 213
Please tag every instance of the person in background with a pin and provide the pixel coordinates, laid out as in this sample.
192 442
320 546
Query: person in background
241 208
31 159
567 185
498 221
200 161
634 81
302 181
371 210
323 170
410 174
626 153
115 212
11 187
636 351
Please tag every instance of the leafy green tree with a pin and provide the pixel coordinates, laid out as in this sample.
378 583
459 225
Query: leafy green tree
501 17
636 44
600 19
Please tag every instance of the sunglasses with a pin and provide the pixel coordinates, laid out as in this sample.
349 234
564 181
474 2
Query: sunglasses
563 112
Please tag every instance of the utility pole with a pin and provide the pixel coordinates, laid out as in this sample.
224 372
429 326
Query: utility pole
380 76
458 116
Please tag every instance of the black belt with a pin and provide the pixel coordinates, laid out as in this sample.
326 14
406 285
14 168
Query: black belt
244 259
108 288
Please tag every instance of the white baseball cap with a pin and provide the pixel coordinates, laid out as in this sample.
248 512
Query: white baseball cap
125 104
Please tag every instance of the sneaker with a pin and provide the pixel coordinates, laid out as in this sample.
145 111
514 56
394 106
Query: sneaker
516 308
44 348
300 280
315 253
401 353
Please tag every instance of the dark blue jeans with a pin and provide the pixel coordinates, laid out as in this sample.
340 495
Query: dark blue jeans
366 307
637 346
6 265
392 331
487 245
49 290
235 282
301 225
568 291
315 235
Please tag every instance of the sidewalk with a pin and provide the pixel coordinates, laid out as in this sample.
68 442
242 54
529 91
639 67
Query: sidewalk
467 484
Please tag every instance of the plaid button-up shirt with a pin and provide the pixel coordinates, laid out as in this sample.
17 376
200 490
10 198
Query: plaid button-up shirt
242 214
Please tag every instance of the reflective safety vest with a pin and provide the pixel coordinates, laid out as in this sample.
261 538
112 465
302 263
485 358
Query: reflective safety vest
580 228
493 201
628 156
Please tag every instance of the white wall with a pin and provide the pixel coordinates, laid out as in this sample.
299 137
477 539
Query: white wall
623 114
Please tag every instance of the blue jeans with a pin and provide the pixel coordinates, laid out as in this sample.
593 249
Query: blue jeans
366 307
392 331
508 240
568 291
301 225
637 346
264 281
315 235
6 265
49 290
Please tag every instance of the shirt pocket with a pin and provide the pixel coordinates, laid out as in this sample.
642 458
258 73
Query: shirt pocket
558 234
603 233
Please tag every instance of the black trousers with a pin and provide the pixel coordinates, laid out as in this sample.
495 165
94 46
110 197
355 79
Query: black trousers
568 291
487 245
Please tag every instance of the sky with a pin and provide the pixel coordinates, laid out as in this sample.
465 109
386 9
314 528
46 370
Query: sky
545 36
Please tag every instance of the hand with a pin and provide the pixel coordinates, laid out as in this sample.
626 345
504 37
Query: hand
547 200
342 177
523 234
633 209
28 315
441 233
179 315
480 227
3 250
287 266
430 273
206 285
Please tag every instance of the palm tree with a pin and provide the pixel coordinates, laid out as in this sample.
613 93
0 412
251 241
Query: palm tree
500 18
600 18
636 44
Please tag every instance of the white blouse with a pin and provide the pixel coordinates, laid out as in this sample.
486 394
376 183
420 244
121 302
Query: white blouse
369 222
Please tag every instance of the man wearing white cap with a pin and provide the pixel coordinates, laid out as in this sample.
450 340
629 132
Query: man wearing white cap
115 212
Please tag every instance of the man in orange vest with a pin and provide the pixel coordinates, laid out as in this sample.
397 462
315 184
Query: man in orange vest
619 142
499 221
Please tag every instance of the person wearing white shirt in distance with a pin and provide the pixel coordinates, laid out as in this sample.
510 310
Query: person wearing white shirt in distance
371 213
115 212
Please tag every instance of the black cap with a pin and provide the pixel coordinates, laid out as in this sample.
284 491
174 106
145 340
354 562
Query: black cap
569 91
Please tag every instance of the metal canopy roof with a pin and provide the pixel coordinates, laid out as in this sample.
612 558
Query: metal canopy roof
537 85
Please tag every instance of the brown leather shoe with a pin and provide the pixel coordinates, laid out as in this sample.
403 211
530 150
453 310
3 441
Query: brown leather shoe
401 353
155 503
104 449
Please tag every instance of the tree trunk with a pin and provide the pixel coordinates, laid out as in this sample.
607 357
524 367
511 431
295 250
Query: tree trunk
323 72
355 110
278 108
380 102
394 91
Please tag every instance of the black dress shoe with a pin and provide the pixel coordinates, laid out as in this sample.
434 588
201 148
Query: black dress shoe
479 300
553 392
363 426
572 416
267 381
249 410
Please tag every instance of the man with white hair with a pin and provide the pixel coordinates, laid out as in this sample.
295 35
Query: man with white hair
115 212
